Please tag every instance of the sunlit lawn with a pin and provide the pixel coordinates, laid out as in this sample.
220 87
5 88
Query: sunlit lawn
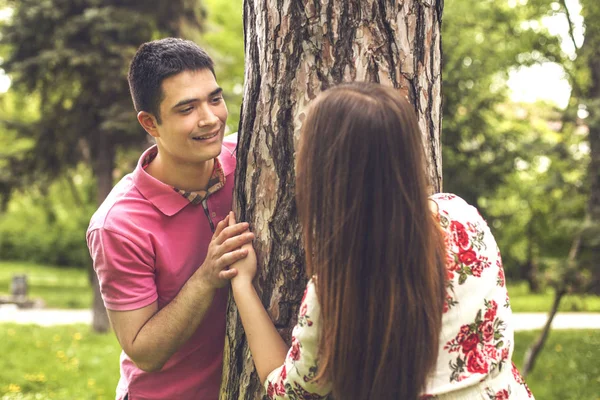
58 287
568 367
69 288
522 300
71 363
62 362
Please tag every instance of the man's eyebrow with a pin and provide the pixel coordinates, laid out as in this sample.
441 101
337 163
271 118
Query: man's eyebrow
188 101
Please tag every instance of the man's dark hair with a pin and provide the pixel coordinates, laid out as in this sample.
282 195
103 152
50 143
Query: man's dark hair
157 60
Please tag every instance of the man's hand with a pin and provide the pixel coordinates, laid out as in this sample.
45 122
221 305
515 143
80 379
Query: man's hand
245 267
225 249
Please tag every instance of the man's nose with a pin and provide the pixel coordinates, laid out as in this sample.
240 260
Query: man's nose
207 117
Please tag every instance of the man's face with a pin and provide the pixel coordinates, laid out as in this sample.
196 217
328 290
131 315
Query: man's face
193 115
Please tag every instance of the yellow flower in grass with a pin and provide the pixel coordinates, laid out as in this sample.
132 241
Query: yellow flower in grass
56 338
77 336
61 356
41 377
91 382
12 388
11 332
558 348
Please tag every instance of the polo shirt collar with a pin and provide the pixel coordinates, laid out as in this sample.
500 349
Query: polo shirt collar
165 197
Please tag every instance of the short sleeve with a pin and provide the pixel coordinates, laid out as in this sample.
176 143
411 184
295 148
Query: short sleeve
293 379
125 271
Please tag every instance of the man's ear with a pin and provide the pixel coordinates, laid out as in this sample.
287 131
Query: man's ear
148 122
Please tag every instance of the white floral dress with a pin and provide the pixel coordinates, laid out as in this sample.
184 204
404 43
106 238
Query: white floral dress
476 342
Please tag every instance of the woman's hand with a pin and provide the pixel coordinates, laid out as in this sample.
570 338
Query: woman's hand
246 267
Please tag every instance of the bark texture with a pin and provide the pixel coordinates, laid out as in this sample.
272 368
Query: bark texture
294 50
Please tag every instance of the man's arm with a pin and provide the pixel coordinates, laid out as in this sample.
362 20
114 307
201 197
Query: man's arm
150 337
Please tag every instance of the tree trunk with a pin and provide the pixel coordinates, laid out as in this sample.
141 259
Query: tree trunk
103 159
294 50
590 50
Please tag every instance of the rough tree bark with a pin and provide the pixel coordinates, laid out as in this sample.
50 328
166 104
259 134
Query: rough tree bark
294 50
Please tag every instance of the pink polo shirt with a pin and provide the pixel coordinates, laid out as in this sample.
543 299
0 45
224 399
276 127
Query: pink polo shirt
146 240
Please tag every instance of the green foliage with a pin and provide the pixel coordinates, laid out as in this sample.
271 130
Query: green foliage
568 369
480 47
523 165
73 56
57 287
60 362
223 38
47 225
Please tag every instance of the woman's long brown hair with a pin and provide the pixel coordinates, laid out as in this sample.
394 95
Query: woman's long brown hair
372 242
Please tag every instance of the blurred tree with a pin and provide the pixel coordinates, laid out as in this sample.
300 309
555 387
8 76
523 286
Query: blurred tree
483 136
588 62
480 47
72 56
583 112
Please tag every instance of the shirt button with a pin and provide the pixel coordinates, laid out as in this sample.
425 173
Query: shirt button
214 214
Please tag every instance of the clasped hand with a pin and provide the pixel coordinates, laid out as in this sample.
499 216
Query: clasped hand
245 267
230 243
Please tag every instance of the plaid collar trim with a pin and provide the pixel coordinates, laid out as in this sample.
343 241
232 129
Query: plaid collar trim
215 182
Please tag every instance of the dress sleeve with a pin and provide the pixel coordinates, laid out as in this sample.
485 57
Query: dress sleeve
125 271
293 379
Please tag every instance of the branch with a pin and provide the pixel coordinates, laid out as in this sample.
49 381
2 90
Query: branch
570 21
534 350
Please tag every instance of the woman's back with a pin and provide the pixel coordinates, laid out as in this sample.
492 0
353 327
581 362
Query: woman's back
476 342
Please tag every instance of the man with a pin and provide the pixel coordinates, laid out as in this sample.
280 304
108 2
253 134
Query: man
158 247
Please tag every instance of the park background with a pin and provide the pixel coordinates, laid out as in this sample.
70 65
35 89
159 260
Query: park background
517 121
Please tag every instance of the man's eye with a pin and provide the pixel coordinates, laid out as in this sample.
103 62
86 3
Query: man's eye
217 99
186 110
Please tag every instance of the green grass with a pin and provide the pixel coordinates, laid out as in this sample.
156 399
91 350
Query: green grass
72 363
57 287
522 300
61 362
69 288
567 368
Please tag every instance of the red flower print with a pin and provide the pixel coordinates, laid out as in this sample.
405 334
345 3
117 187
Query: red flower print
279 389
304 295
516 374
486 328
283 373
459 234
490 314
303 310
463 334
504 355
476 362
490 352
295 352
501 280
467 256
470 343
501 395
270 390
477 269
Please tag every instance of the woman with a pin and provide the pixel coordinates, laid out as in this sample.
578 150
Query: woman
406 298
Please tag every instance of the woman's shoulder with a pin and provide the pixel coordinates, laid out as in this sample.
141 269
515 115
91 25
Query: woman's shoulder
455 208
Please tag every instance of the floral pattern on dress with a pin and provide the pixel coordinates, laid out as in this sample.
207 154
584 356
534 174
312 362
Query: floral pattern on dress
294 379
479 345
477 335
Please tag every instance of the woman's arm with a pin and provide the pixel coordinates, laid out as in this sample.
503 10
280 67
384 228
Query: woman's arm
266 345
